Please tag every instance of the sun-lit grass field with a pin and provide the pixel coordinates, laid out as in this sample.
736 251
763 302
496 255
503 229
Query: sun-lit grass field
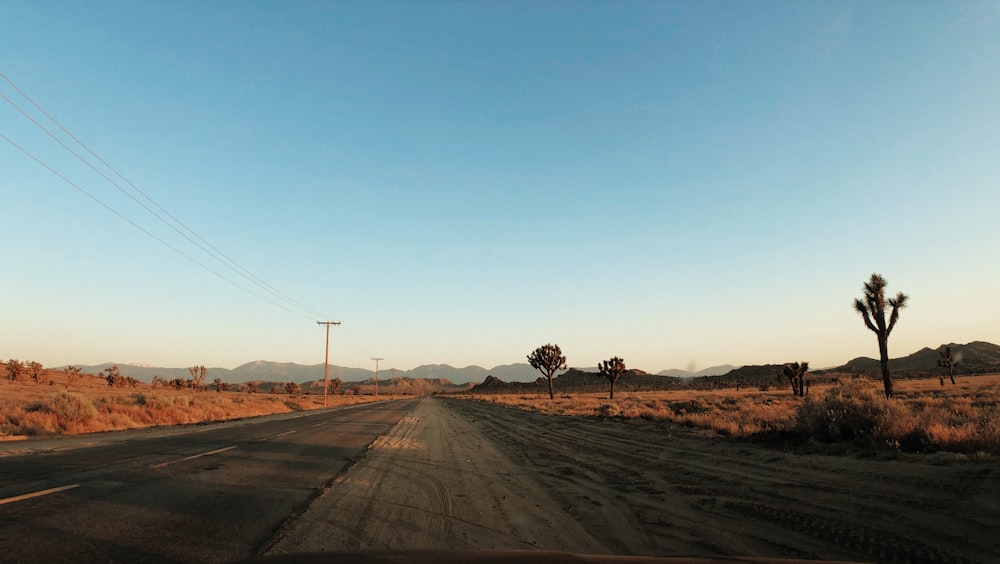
923 415
87 405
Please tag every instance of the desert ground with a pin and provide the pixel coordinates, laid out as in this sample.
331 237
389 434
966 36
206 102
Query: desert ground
465 474
88 405
681 473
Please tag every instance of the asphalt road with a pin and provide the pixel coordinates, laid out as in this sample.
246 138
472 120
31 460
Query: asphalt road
205 493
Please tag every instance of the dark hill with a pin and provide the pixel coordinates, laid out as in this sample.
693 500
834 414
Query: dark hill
976 357
576 380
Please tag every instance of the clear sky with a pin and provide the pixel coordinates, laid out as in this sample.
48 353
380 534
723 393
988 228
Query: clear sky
682 184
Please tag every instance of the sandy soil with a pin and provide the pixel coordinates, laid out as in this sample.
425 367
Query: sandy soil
590 486
434 482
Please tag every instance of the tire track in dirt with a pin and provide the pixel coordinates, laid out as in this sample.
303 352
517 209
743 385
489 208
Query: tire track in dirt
644 488
433 482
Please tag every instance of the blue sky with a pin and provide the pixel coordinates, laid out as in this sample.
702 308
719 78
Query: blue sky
682 184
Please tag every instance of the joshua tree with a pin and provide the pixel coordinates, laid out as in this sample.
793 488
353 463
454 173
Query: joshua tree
949 362
72 373
36 370
14 369
292 388
872 308
113 377
548 359
335 385
796 374
612 370
197 376
251 387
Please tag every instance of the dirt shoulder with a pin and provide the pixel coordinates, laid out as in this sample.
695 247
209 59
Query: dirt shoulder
470 475
434 482
657 489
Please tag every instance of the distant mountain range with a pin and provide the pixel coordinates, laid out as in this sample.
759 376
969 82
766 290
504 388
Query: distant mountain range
710 371
974 357
267 371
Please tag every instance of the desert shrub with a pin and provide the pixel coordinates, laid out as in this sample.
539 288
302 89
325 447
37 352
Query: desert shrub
39 423
696 405
609 410
70 407
852 410
154 400
10 419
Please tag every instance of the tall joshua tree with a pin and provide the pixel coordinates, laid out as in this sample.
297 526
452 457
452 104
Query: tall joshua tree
547 359
612 370
872 308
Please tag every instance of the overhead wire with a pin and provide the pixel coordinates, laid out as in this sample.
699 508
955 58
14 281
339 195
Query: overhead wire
211 250
124 218
349 341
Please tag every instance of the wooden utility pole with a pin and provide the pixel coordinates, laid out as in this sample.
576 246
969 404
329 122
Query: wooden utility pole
376 359
393 384
326 362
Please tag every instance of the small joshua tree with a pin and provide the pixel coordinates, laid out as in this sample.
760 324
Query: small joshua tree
872 309
36 370
197 377
72 373
796 374
15 368
548 359
948 363
113 377
612 370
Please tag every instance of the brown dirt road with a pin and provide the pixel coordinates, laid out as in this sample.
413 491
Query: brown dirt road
591 486
433 482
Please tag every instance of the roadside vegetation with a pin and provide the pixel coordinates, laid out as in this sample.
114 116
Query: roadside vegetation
921 416
35 401
915 417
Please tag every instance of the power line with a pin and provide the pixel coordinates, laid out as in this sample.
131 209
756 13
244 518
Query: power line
188 233
124 218
211 250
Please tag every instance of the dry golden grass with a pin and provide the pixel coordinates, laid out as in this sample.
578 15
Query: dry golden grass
923 416
88 405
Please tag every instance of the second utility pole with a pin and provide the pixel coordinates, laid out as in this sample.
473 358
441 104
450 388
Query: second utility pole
326 364
376 374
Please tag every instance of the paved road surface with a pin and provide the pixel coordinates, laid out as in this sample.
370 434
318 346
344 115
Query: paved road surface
207 493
